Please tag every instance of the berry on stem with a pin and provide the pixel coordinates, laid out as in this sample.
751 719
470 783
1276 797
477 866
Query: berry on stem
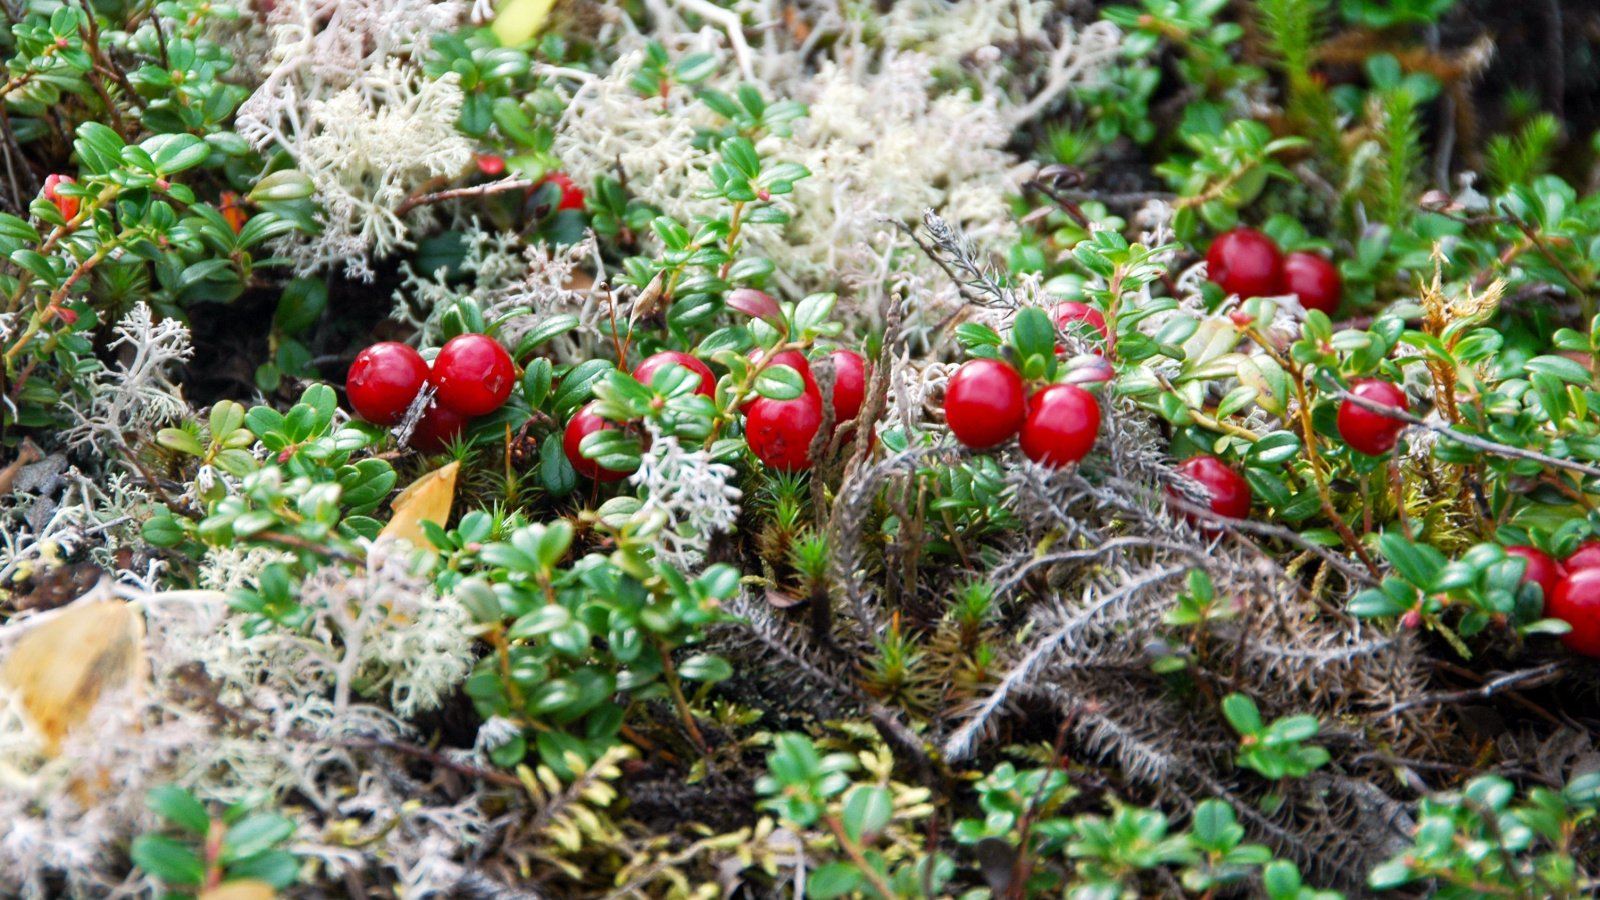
646 371
383 381
1313 280
1227 492
439 426
473 374
1245 262
1063 421
1541 569
849 384
1370 432
985 403
780 432
1576 601
584 423
67 205
1070 315
571 194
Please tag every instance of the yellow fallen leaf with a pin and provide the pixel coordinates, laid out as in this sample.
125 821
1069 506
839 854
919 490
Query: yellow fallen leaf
61 668
243 889
518 20
425 500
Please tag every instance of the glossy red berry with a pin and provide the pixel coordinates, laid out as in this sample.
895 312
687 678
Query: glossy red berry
1082 320
1541 569
1063 421
780 432
849 384
1313 280
1245 262
383 381
1587 556
492 165
438 428
584 423
985 403
1228 492
571 194
1367 431
67 205
473 374
645 372
1576 601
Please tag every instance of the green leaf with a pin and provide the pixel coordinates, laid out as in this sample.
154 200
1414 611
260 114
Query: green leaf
176 152
167 860
779 382
1242 714
834 879
555 470
1419 564
179 807
705 667
867 808
255 833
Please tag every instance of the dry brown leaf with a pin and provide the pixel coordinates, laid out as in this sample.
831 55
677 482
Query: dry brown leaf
243 889
63 667
427 499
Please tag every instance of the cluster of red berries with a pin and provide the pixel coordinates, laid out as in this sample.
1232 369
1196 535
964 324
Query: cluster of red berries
1571 591
986 403
1248 263
472 375
587 421
780 432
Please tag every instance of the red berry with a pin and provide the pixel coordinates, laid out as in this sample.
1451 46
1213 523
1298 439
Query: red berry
1072 316
1587 556
473 374
780 432
1541 569
67 205
438 428
1576 601
1366 431
1229 493
646 371
849 384
1245 262
1312 279
383 381
492 165
584 423
571 194
984 403
1063 421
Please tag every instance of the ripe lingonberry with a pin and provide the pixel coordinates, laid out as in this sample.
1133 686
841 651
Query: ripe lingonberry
68 206
438 427
1367 431
584 423
571 194
1576 601
1063 420
849 384
646 371
1227 492
491 164
1082 320
473 374
1312 279
780 432
1587 556
1541 569
984 403
1245 262
383 381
